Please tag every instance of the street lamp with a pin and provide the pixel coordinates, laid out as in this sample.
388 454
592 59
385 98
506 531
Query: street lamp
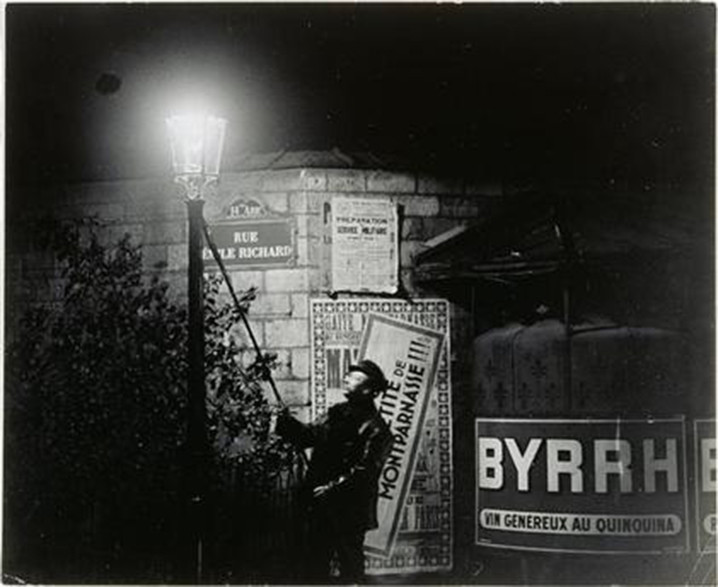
196 144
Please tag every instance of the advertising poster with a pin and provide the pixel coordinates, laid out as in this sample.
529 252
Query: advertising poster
364 245
705 453
422 540
594 486
409 356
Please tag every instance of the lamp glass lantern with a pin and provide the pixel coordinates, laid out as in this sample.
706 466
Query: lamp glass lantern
196 144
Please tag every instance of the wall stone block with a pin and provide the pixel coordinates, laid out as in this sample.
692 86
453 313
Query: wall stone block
283 369
383 181
319 281
270 304
305 202
299 202
314 179
303 255
233 182
291 363
339 180
287 280
143 190
418 205
315 250
311 225
308 251
287 333
293 393
156 208
165 232
177 282
274 201
239 334
243 280
427 184
300 305
283 180
154 256
103 212
114 232
463 207
300 362
101 192
177 257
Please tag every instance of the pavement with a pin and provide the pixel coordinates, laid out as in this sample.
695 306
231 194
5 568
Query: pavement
541 569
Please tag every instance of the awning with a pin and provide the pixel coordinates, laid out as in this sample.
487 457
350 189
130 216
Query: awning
537 234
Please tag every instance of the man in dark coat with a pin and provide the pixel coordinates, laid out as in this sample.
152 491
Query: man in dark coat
351 442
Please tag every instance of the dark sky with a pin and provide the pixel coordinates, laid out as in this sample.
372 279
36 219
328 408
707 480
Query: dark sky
577 93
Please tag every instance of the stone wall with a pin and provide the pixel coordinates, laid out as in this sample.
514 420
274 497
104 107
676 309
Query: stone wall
153 213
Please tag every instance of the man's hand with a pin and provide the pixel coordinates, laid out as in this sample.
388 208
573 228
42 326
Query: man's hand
322 490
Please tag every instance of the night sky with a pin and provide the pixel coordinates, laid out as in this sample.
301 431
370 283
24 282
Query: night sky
591 94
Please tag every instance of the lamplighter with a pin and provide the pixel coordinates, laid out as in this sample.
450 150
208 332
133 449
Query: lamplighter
196 143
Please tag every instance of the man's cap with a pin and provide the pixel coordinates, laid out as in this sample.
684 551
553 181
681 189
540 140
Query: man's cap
373 371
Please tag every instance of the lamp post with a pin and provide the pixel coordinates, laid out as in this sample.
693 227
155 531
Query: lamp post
196 143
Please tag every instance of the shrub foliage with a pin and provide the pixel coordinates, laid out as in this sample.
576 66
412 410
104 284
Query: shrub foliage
95 412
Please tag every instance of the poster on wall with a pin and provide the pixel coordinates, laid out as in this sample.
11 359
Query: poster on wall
408 355
705 463
423 533
594 486
364 251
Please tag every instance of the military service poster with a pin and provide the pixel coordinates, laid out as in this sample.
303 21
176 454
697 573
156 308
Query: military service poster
364 245
423 536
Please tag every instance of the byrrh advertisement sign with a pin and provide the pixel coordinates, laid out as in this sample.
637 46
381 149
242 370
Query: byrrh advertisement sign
593 486
705 464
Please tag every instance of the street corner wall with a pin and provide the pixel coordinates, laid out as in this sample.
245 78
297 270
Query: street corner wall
152 212
426 207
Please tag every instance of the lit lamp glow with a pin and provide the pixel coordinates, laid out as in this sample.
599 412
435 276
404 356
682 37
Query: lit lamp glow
196 143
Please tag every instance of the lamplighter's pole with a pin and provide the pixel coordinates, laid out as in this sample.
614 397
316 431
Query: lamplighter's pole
197 452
